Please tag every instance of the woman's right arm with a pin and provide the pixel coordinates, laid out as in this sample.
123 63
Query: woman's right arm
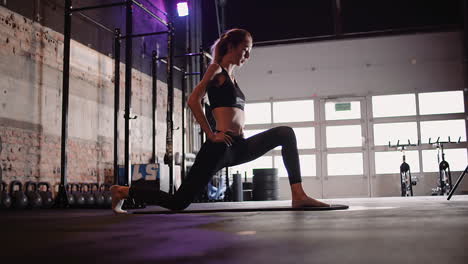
195 100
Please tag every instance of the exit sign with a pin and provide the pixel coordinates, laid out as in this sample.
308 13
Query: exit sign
342 106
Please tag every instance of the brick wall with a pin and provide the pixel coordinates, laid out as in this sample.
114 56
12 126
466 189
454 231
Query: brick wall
30 107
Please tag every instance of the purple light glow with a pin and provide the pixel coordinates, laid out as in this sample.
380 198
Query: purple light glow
182 9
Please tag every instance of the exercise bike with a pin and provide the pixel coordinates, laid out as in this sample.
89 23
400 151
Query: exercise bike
444 185
406 180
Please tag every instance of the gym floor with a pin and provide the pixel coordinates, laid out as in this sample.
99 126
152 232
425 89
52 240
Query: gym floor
373 230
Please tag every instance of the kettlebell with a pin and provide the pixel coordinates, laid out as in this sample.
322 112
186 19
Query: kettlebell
98 196
34 198
46 195
88 196
5 199
70 197
105 189
18 197
79 199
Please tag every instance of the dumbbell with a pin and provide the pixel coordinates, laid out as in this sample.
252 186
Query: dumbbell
5 198
98 195
85 189
18 197
34 198
46 195
80 201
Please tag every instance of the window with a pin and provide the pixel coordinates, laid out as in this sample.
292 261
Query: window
332 111
344 136
443 129
455 157
441 103
308 165
390 161
293 111
394 105
305 137
258 113
383 133
345 164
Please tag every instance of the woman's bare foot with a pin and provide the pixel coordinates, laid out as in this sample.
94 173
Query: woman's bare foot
308 202
300 198
119 193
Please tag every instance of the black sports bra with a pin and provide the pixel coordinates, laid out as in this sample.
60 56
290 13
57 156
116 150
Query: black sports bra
226 95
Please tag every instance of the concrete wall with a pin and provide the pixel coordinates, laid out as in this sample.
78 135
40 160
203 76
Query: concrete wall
30 107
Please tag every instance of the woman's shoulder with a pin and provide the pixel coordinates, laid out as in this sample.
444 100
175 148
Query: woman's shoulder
217 78
215 68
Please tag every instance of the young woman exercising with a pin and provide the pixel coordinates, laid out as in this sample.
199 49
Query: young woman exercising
226 146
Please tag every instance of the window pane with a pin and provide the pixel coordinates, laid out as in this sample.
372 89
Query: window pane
456 158
394 105
262 162
441 103
389 162
257 113
345 164
308 166
443 129
332 114
383 133
305 137
336 138
293 111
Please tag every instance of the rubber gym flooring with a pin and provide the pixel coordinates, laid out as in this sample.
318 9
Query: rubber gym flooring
373 230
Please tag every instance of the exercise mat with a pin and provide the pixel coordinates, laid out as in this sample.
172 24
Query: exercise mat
218 209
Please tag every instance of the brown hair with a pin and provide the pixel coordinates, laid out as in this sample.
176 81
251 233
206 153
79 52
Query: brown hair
233 36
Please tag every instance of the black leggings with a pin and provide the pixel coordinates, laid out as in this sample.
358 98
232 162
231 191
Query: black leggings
212 157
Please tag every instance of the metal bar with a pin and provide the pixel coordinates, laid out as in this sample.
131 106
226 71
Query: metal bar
159 10
189 55
128 86
175 67
168 158
146 34
62 200
150 13
192 73
96 23
116 102
96 7
154 64
457 183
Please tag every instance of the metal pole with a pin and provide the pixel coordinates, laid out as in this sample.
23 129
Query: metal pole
62 200
154 103
202 72
128 86
184 87
169 158
116 102
337 17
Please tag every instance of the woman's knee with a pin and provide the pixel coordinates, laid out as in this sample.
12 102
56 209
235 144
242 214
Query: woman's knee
286 132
